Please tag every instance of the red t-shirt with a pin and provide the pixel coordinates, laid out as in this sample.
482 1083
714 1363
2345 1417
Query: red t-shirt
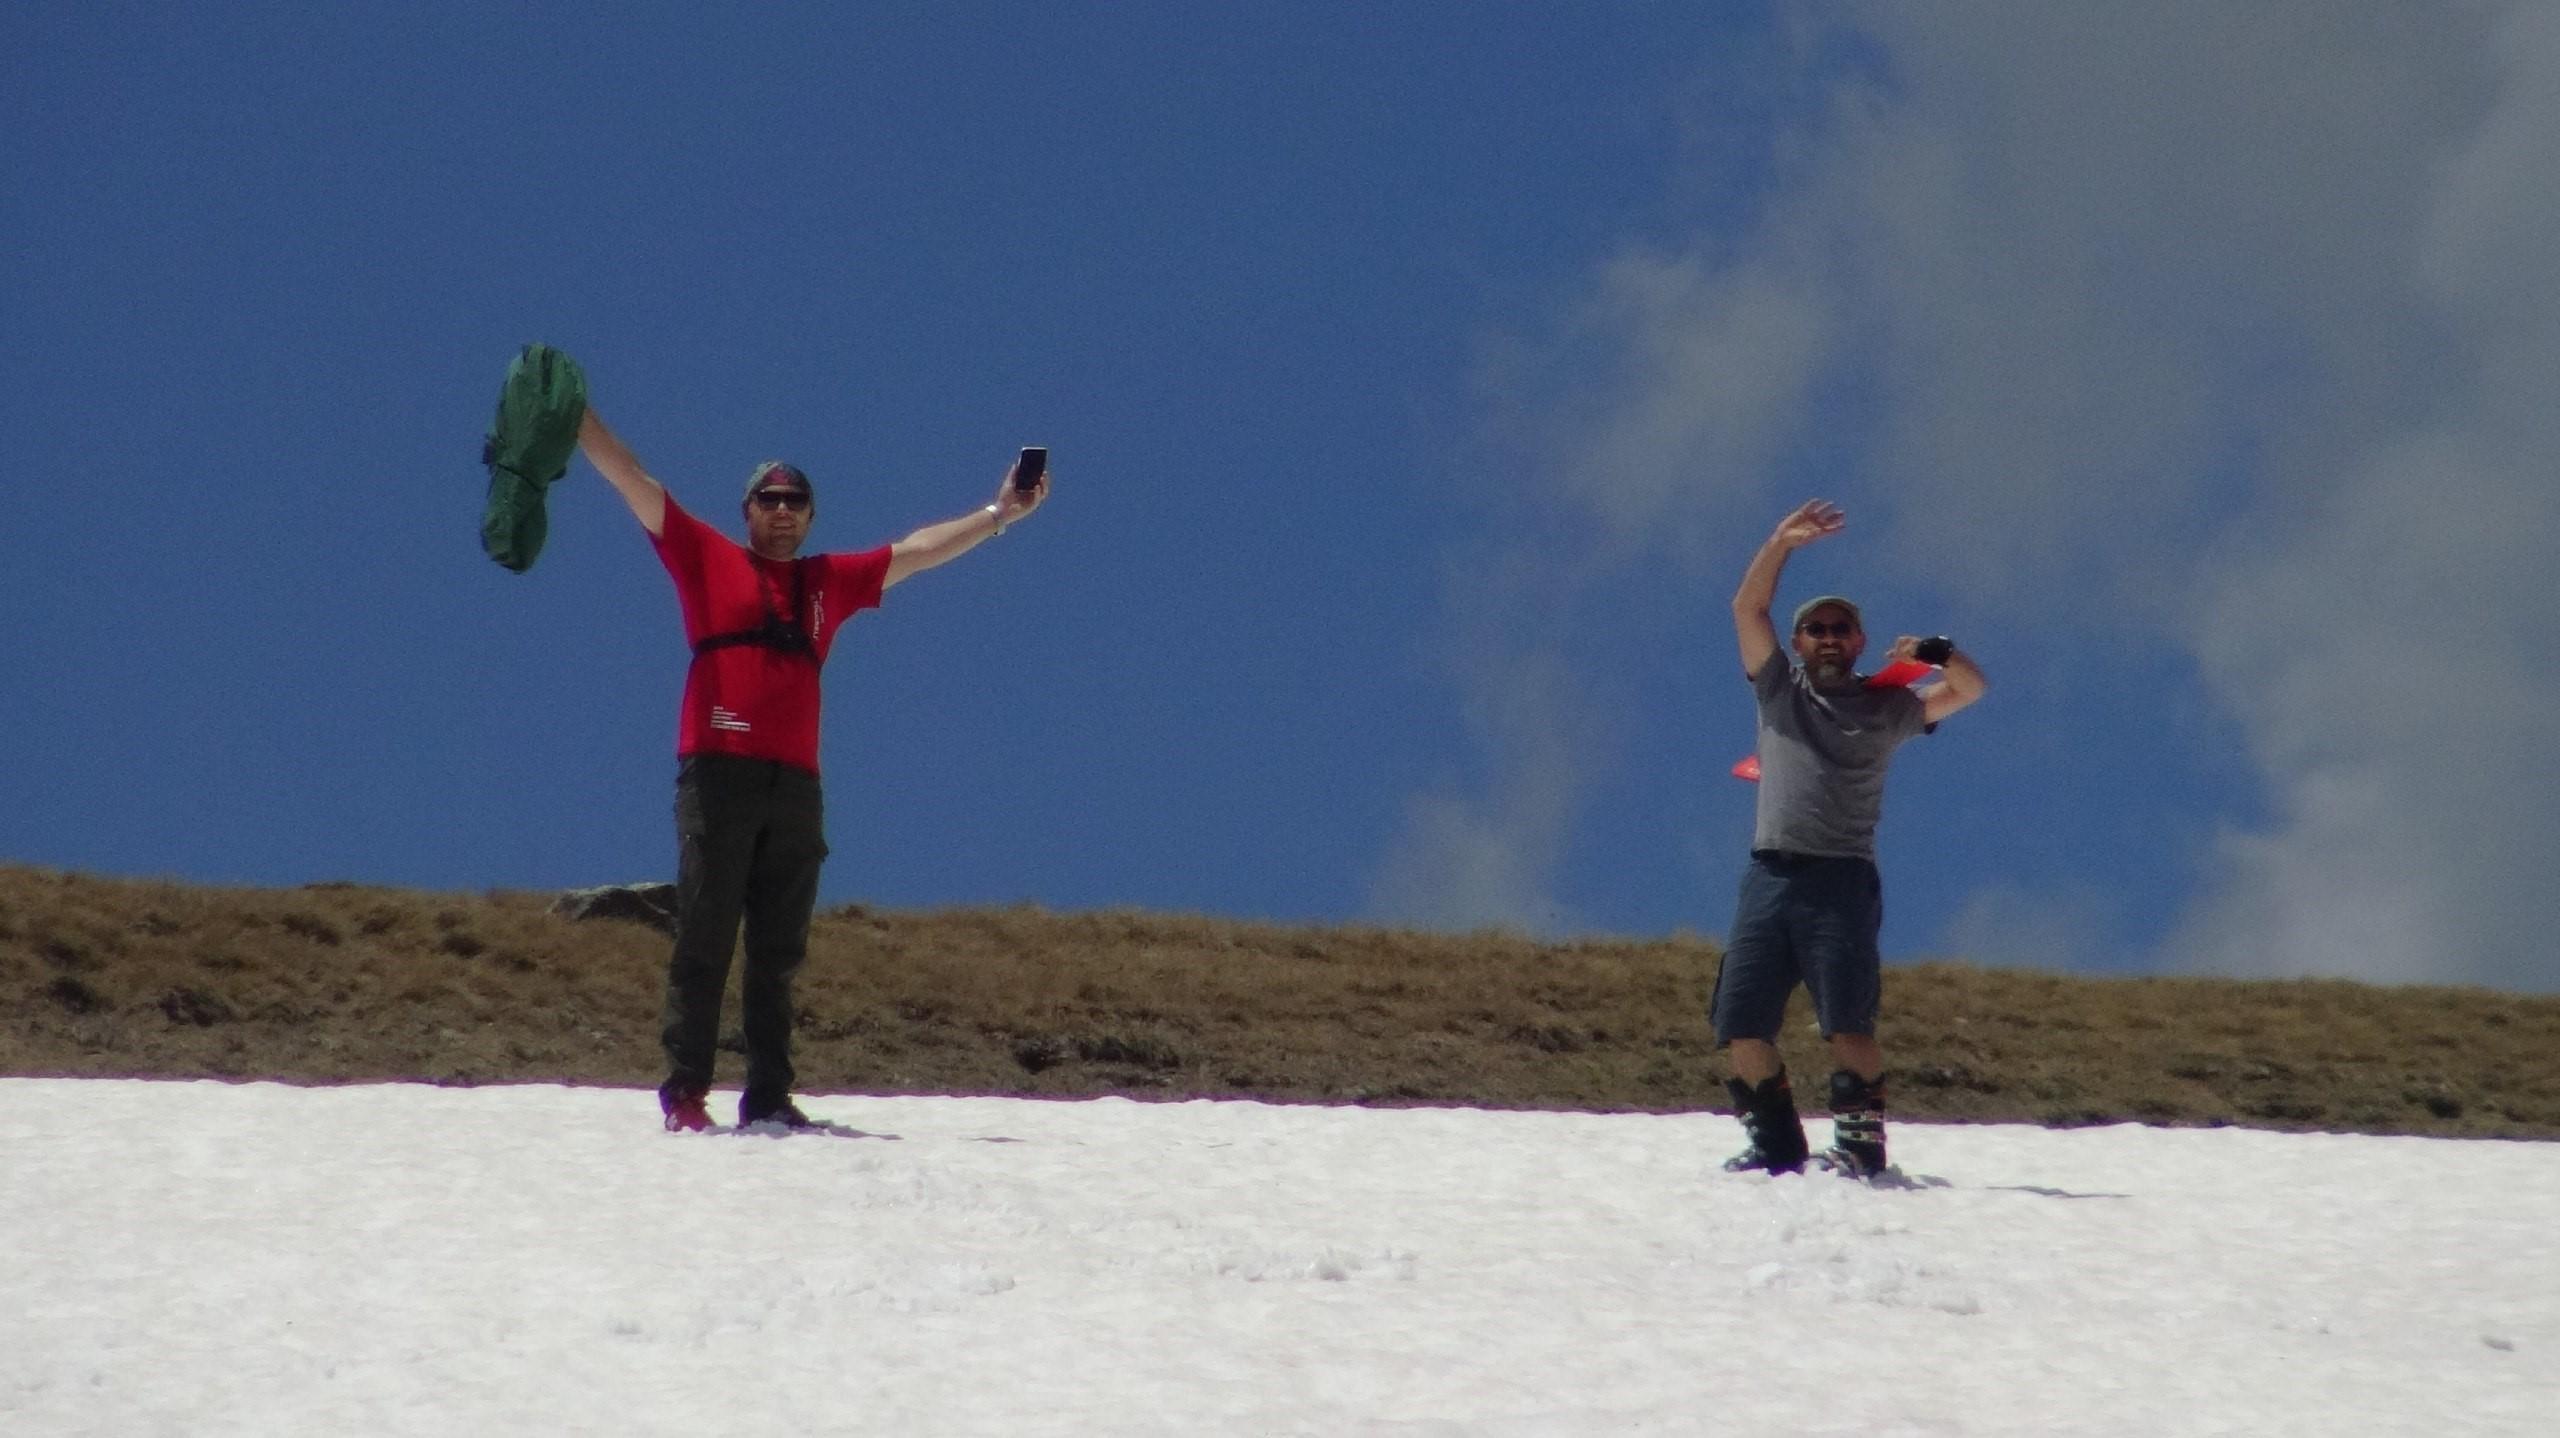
749 699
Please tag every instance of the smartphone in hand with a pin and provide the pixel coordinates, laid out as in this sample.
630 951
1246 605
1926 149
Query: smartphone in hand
1029 468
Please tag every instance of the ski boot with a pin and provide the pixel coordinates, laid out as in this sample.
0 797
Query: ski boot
684 1108
1768 1114
754 1109
1857 1125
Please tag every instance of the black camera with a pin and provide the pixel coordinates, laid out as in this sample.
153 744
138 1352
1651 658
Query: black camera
1934 649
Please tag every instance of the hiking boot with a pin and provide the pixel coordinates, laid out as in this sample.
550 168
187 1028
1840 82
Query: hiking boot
1857 1125
1768 1114
685 1110
782 1111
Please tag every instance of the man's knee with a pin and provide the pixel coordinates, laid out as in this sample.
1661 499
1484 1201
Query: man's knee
774 965
1754 1060
1857 1053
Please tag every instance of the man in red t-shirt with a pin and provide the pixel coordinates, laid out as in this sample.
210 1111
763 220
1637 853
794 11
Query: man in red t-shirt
750 815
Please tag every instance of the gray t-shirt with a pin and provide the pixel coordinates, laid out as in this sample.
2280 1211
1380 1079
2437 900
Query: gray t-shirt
1823 754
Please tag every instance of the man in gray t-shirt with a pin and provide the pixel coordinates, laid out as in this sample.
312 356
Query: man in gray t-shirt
1811 902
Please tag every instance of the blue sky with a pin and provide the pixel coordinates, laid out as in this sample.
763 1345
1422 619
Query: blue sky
1419 378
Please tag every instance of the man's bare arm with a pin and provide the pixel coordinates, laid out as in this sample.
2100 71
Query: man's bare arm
1752 628
939 544
621 468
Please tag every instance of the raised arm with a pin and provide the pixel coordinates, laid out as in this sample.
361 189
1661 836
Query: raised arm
938 544
1752 629
620 467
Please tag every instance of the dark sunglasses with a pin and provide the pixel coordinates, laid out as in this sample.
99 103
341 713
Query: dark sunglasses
782 499
1819 630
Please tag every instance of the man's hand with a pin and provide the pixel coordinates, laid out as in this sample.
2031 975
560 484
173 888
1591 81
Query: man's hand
1817 519
1959 680
1012 503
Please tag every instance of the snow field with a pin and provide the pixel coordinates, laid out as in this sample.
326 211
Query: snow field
201 1258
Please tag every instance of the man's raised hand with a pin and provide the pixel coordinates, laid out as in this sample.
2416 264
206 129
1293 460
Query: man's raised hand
1815 519
1013 503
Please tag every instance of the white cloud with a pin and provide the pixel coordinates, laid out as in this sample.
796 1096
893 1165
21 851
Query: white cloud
1704 369
2012 927
2393 651
1716 367
1486 860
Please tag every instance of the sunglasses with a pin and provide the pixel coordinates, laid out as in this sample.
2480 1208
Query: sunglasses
782 499
1819 630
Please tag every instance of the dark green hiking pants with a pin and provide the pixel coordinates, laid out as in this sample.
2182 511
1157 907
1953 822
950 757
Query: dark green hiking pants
750 837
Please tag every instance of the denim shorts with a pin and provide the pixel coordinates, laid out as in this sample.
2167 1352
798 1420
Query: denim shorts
1802 919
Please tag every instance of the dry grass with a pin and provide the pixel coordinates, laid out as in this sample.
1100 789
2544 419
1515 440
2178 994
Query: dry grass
342 982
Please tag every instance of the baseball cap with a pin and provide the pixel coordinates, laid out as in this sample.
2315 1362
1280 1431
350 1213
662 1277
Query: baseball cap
1810 605
774 474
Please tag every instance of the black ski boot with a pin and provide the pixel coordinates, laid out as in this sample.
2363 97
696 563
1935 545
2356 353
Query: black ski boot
1768 1115
1857 1125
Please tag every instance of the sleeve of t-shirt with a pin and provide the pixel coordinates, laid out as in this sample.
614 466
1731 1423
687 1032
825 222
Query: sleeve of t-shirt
861 575
1771 679
1910 714
679 541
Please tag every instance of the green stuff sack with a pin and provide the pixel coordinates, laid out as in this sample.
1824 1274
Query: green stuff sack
539 410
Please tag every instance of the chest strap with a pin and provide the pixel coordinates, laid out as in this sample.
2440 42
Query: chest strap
777 633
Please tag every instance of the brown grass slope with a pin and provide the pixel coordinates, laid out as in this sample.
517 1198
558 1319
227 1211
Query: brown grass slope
340 982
